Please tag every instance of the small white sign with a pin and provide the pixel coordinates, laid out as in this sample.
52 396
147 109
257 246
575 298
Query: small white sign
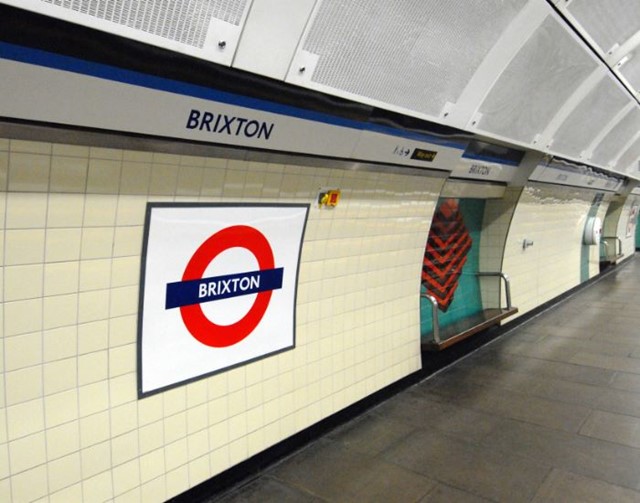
218 288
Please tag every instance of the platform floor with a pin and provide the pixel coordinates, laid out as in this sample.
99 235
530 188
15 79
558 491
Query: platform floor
550 412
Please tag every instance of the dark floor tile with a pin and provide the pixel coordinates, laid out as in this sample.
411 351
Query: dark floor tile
268 490
619 363
463 465
618 428
446 494
563 487
615 464
372 433
627 382
333 472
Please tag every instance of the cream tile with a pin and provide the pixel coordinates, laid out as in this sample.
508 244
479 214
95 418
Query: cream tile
98 487
96 459
60 343
106 153
125 271
124 301
63 440
94 429
122 360
137 156
22 316
29 172
61 408
97 242
23 282
69 174
154 490
189 181
64 472
60 375
27 452
71 493
124 448
131 210
25 419
4 170
103 176
29 485
176 480
26 211
198 444
175 427
93 336
135 178
199 470
93 367
32 147
93 306
126 477
124 419
61 278
100 210
122 389
95 274
161 158
175 454
164 180
150 409
152 438
23 351
24 246
65 150
65 210
60 311
63 245
94 398
122 330
152 465
128 241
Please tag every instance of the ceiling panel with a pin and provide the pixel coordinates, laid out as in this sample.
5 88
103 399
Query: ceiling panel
631 70
629 160
541 77
593 113
412 54
609 23
611 145
208 29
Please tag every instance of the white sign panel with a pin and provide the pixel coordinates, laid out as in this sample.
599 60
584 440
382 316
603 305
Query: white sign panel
218 288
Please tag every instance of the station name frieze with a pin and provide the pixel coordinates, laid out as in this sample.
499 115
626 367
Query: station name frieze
229 125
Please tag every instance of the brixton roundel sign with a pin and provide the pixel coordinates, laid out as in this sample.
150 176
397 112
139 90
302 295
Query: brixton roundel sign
218 288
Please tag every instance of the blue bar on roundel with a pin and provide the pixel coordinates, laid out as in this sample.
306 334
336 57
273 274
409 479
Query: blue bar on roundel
197 291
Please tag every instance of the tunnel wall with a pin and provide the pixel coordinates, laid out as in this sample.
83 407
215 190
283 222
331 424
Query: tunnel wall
71 426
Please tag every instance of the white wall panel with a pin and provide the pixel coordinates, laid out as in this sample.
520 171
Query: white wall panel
553 218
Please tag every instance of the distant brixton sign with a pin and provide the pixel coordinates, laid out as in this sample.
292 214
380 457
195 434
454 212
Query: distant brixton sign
218 288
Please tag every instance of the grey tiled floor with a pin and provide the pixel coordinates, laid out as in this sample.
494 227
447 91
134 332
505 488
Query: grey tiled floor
548 413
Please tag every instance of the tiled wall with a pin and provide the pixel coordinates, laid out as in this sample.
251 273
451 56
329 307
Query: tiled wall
495 226
553 218
626 229
71 427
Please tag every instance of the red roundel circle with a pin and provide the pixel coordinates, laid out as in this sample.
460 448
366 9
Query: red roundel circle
203 329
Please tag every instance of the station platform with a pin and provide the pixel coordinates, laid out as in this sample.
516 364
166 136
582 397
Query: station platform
549 412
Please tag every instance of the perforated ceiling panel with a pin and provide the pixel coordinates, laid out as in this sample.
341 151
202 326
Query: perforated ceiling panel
629 160
585 122
617 138
415 54
544 73
631 70
184 21
608 22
